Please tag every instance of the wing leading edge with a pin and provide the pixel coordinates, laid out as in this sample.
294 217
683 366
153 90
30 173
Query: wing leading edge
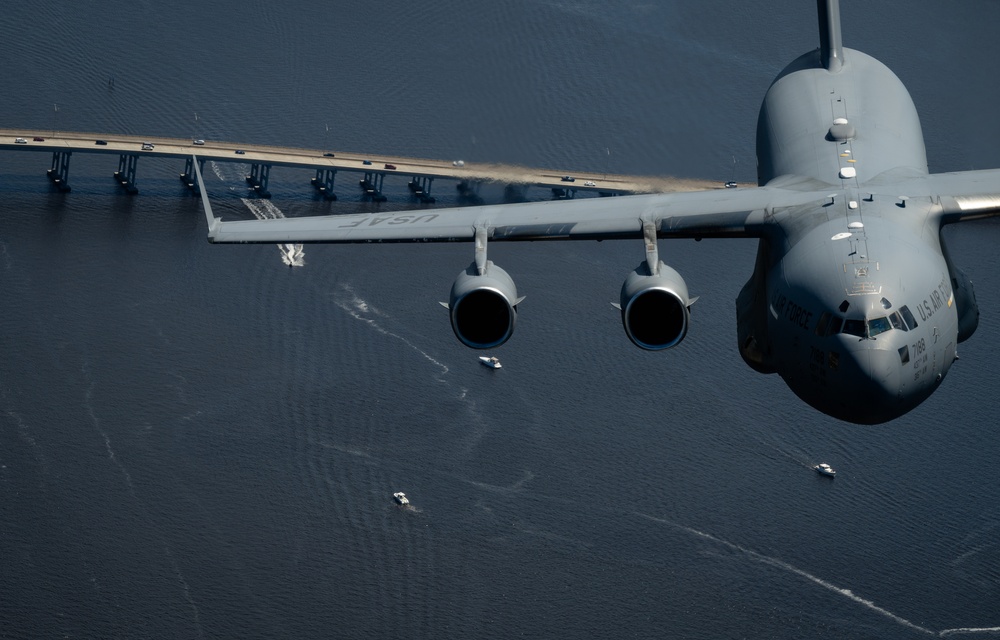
966 195
959 196
740 213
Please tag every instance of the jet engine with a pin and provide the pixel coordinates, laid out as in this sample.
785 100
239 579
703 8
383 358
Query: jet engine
483 308
655 307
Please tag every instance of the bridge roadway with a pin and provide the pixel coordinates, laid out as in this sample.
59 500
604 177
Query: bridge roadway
62 144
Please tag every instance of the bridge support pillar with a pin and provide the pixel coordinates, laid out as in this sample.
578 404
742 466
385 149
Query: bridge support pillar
421 188
125 175
189 178
259 174
515 193
59 173
469 189
324 183
372 184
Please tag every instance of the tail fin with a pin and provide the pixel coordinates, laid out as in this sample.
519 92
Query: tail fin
831 49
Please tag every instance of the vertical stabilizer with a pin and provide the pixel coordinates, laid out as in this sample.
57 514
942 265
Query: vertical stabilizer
830 47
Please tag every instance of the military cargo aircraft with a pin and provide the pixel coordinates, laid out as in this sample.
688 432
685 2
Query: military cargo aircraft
854 299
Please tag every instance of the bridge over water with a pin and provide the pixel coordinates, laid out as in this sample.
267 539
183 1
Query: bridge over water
371 170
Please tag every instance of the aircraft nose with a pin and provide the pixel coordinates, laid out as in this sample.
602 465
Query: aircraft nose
877 372
883 371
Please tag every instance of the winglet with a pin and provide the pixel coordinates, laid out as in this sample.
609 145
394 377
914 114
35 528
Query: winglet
831 49
213 222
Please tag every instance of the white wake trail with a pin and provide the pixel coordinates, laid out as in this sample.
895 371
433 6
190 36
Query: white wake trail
292 255
185 587
361 310
774 562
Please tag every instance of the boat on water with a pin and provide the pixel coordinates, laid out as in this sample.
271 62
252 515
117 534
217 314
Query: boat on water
492 363
825 470
401 498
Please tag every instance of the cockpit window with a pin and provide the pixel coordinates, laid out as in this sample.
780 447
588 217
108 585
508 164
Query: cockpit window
897 322
911 322
854 328
877 326
824 320
828 324
835 323
886 304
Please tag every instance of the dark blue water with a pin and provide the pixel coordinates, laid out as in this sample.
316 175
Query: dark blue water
197 441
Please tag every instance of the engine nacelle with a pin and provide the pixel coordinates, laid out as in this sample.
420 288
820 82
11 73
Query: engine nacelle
965 298
965 303
655 308
483 308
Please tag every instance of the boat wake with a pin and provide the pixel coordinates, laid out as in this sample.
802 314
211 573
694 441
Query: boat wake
24 433
141 506
359 309
513 488
847 593
88 396
291 254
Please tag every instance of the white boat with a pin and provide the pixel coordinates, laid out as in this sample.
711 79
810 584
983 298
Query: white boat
401 498
825 469
492 363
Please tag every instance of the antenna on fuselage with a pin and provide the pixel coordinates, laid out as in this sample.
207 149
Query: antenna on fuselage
831 49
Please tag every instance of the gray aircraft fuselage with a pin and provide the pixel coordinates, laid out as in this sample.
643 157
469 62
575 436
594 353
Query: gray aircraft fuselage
853 300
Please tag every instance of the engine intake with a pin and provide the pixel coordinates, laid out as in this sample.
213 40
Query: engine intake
655 307
483 308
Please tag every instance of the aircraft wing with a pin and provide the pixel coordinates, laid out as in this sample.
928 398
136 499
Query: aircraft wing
963 195
699 214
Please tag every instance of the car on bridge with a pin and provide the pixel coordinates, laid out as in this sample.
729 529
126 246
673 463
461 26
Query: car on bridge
20 141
